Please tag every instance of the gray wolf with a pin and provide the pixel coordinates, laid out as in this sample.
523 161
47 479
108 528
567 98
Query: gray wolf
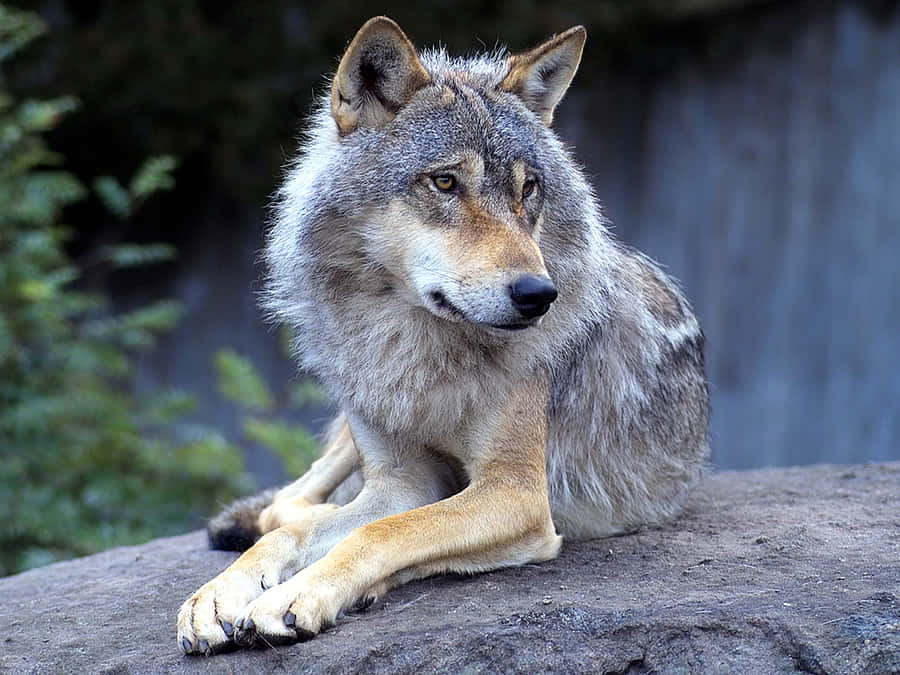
506 371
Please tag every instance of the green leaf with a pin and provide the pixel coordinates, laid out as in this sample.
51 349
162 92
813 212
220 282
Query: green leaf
135 255
17 29
167 406
40 195
210 453
136 329
293 444
158 316
36 290
307 392
240 382
114 197
153 176
24 159
44 115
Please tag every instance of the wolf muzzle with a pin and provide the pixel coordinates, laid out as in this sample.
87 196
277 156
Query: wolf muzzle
532 295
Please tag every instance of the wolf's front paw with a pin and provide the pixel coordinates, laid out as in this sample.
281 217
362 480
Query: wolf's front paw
206 620
295 610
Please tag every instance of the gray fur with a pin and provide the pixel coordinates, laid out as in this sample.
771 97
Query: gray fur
628 417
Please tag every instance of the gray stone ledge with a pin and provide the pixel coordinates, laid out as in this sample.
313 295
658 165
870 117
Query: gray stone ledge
776 570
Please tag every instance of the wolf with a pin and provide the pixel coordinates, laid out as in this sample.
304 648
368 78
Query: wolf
506 371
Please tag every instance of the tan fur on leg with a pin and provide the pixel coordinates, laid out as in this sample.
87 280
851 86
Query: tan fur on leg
339 459
502 518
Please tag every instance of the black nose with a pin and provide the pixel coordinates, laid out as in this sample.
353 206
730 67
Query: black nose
532 295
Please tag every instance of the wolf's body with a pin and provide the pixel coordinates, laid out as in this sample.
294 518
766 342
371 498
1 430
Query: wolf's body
420 243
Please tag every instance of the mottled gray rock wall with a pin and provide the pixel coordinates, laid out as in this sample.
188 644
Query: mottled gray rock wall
762 170
770 571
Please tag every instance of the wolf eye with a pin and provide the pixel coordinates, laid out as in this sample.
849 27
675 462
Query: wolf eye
528 187
444 182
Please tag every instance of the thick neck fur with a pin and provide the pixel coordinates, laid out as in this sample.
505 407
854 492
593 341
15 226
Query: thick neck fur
376 351
399 366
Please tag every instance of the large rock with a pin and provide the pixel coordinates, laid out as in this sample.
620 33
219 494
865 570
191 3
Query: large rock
767 571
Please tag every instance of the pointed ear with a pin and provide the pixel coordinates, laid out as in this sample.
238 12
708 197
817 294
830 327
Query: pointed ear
541 76
379 73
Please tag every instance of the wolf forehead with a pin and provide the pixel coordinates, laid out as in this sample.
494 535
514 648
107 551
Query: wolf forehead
462 109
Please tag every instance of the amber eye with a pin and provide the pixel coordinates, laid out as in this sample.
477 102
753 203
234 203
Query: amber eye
528 187
444 182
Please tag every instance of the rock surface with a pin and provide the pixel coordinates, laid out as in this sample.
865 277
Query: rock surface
779 570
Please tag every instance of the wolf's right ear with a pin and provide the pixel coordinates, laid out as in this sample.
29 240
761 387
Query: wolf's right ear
379 73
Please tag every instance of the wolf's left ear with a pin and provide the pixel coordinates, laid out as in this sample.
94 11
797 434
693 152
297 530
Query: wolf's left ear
379 73
541 76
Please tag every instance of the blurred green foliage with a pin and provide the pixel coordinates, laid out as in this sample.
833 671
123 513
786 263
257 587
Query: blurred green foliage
240 382
85 463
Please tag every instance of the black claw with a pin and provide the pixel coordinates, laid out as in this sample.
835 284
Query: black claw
244 638
228 629
186 645
304 635
204 647
245 635
363 604
290 620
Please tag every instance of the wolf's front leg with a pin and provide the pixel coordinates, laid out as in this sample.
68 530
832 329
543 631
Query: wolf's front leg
293 502
501 519
207 620
244 521
483 528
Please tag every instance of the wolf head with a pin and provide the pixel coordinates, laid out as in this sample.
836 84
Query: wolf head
445 170
432 197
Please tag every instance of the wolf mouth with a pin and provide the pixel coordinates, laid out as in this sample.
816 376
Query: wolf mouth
512 326
442 303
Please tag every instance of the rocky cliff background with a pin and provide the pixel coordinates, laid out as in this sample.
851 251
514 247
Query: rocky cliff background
751 147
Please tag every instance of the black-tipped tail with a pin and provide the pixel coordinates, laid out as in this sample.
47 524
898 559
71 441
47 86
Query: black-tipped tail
236 528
